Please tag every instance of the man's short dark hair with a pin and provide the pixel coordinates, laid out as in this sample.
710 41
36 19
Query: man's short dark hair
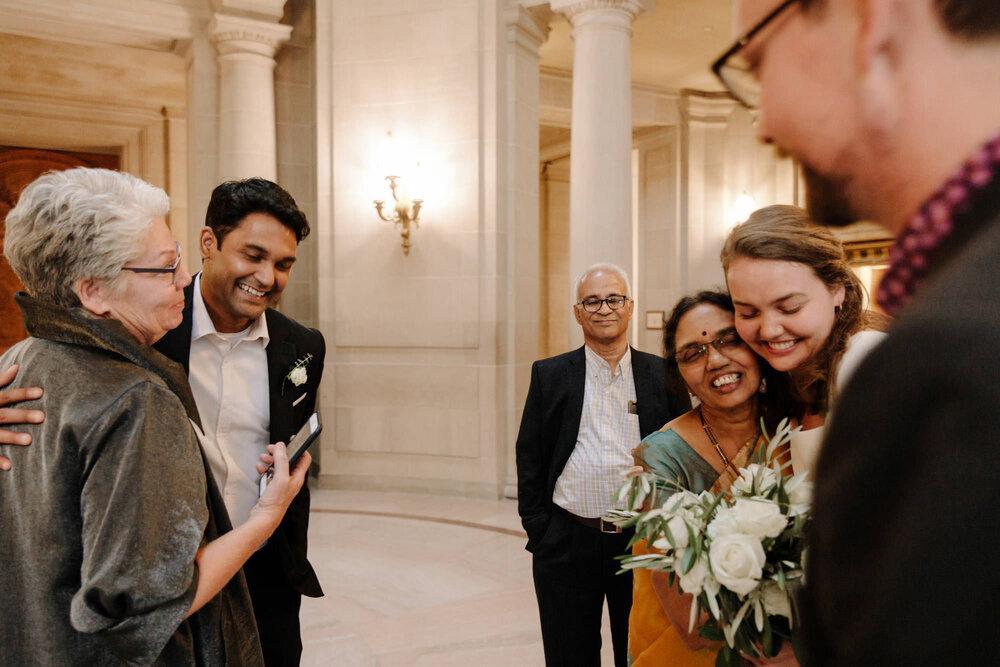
234 200
966 19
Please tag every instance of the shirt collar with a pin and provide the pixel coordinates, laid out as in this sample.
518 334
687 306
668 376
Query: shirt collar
202 325
596 364
927 229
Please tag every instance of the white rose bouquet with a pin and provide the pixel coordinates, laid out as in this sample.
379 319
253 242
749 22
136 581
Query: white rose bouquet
738 553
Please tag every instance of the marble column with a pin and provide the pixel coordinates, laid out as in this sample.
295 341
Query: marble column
247 143
600 227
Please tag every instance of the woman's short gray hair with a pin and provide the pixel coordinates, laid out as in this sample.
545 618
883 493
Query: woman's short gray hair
76 225
602 266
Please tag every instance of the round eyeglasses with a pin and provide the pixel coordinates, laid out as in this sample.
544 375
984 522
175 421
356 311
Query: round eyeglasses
593 304
172 270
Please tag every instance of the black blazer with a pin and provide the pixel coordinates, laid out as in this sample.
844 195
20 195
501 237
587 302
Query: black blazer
290 407
902 566
551 422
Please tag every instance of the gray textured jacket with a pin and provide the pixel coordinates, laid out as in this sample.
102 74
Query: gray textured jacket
102 515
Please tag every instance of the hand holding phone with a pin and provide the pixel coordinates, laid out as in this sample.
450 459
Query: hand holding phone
296 446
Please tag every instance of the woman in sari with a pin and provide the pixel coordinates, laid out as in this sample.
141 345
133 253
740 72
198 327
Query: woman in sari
702 450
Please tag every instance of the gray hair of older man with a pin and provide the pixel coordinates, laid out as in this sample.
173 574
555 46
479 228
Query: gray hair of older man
602 266
79 224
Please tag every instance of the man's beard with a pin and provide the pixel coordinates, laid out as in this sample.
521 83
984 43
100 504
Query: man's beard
826 199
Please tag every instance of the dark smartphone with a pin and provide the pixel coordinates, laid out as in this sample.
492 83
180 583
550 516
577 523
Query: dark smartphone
298 444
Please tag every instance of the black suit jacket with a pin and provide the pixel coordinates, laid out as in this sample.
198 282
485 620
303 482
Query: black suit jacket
902 566
551 422
290 406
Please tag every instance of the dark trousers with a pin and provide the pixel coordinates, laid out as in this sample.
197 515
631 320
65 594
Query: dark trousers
574 569
276 606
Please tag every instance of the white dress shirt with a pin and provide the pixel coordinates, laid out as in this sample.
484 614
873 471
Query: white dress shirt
608 433
228 376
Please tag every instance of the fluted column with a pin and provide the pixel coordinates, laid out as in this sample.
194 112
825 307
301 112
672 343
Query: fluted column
247 142
600 210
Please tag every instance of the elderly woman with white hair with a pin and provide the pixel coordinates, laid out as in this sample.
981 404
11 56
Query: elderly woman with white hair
116 544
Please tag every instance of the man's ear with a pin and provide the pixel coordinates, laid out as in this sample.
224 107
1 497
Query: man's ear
876 55
92 296
877 23
207 243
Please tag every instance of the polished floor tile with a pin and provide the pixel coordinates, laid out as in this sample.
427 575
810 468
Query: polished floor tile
415 580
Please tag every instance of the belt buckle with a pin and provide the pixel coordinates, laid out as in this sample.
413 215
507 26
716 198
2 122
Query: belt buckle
608 527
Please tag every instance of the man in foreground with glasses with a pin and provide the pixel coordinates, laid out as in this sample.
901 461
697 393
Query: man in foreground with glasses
892 107
239 354
585 411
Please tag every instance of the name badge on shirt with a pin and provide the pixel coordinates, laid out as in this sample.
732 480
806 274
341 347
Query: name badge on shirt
632 409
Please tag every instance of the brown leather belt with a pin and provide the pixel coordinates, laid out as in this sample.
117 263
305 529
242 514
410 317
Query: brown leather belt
596 523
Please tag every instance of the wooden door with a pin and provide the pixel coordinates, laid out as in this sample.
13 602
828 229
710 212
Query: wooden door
18 168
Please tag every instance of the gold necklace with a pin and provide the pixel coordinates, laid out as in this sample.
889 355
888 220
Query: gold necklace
715 441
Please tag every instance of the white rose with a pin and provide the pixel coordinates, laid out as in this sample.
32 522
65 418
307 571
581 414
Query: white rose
724 523
762 475
775 600
759 517
800 494
298 375
694 579
737 562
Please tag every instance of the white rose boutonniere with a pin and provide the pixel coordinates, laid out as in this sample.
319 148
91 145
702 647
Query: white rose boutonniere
297 374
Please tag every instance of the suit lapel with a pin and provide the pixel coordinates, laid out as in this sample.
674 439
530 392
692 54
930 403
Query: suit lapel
575 381
642 376
280 357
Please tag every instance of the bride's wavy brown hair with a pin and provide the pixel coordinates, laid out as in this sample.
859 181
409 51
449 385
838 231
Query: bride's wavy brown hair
786 233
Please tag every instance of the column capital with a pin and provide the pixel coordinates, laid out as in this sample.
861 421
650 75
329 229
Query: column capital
577 10
237 34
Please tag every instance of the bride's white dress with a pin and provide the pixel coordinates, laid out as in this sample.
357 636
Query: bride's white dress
804 445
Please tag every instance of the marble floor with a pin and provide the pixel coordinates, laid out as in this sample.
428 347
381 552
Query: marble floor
414 580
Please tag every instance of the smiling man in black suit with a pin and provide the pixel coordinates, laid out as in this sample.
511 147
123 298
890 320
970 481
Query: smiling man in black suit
585 411
255 375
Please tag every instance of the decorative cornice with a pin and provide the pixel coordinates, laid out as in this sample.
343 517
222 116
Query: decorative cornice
264 9
574 9
708 107
528 28
235 34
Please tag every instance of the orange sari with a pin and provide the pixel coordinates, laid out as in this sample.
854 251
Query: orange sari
652 639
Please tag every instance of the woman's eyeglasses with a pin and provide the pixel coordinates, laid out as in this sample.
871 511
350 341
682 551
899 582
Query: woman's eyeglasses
727 342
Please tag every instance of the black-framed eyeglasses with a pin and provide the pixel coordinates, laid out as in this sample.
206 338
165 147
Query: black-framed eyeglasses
725 343
733 69
171 270
593 304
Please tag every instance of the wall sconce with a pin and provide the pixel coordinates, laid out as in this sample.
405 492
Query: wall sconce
405 211
743 207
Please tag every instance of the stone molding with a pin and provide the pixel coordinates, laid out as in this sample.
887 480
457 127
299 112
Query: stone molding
578 11
265 9
706 107
528 28
236 34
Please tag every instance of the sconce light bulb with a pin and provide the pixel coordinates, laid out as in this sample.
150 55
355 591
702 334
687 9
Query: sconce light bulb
743 207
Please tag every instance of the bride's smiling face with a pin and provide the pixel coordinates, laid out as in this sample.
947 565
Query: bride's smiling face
783 310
